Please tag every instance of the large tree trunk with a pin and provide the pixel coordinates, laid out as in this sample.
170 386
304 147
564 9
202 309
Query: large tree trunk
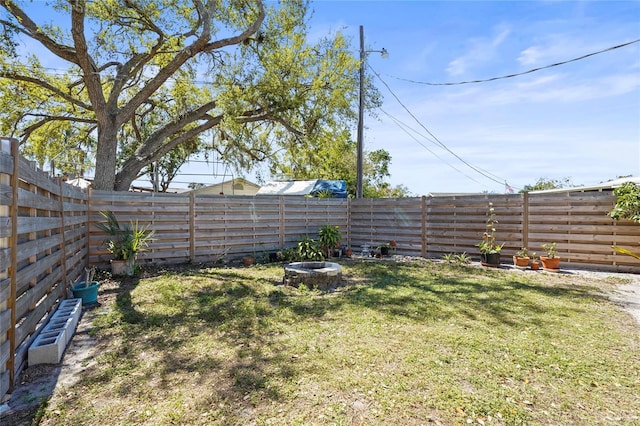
125 178
105 176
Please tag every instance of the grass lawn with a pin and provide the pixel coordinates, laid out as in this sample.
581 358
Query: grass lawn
401 343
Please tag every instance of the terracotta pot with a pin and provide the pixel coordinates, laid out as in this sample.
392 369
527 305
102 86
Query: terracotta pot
535 265
550 263
248 260
521 262
490 259
349 252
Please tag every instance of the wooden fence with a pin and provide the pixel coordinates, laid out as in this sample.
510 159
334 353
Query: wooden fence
43 248
431 227
48 234
206 228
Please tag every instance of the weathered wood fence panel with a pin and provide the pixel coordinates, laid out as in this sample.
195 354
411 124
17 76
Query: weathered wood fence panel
44 249
168 215
305 216
206 228
379 221
584 233
455 224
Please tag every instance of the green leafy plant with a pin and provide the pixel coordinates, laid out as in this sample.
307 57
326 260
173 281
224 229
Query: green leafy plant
488 244
627 203
551 250
459 258
627 207
390 245
287 255
127 240
523 252
329 237
462 258
308 249
324 193
448 257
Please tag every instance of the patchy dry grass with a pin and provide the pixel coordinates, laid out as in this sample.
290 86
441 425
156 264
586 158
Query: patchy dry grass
400 344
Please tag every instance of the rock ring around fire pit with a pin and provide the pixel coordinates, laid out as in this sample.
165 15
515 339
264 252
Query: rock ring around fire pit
321 275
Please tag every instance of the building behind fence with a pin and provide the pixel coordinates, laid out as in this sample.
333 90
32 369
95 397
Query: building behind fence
48 237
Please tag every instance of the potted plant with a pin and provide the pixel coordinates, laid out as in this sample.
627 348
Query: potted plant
329 238
125 242
248 260
87 290
521 258
489 250
550 262
387 247
535 263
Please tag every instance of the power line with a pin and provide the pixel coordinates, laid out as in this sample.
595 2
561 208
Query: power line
520 73
480 171
404 128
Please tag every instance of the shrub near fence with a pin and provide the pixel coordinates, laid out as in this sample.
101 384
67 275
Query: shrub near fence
48 234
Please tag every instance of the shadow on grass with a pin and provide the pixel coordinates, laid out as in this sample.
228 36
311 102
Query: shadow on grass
236 318
424 292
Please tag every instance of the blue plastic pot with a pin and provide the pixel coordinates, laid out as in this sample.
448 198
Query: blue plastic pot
88 294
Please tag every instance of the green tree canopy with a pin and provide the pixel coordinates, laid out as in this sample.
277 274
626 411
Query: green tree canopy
628 202
546 183
146 77
335 158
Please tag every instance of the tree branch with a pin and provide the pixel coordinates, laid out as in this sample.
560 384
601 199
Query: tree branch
85 62
199 45
31 29
48 119
47 86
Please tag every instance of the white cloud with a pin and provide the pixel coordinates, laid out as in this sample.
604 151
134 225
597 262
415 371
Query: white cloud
482 51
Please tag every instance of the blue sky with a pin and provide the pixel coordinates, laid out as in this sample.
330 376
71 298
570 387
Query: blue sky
579 121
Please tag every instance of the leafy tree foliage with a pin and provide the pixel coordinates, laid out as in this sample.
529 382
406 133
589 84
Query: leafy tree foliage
196 185
627 207
147 78
545 183
335 158
628 202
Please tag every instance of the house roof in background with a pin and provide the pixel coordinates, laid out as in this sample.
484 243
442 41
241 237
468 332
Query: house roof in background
604 185
228 184
304 187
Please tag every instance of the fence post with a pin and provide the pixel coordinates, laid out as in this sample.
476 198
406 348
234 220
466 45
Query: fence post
14 259
192 226
525 219
423 242
282 220
348 222
7 305
65 284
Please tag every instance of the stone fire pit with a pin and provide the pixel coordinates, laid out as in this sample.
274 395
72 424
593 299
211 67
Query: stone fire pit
321 275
